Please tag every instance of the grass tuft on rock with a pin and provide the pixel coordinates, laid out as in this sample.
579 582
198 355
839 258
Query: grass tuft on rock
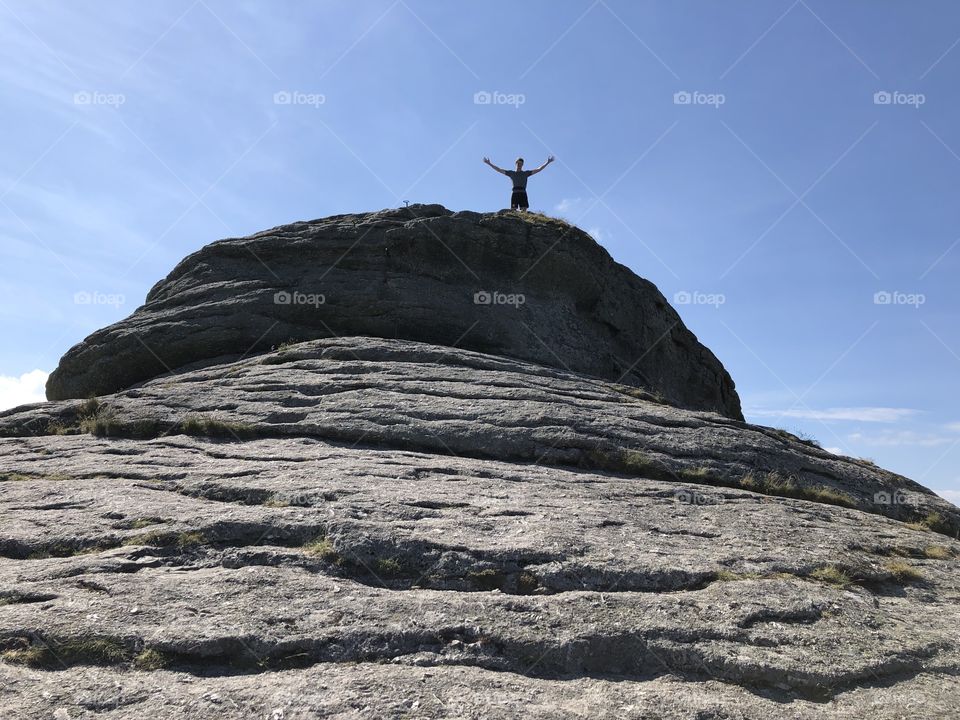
527 583
634 462
389 567
159 538
541 219
151 659
937 552
83 650
902 571
487 579
832 575
321 548
775 484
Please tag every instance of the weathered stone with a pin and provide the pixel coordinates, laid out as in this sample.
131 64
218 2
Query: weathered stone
413 396
410 273
373 521
361 527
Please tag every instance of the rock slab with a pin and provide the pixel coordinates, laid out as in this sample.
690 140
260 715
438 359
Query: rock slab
369 528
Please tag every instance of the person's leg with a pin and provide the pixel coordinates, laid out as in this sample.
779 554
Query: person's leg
524 203
515 201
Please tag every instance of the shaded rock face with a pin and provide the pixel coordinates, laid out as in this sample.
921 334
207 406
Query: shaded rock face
522 287
366 528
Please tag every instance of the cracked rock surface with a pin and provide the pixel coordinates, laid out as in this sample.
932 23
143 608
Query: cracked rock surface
367 528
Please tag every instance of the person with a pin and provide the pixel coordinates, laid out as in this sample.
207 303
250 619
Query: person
518 199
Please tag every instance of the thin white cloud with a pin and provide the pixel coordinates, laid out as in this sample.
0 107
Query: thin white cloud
951 495
897 438
854 414
28 388
596 233
567 204
953 427
835 450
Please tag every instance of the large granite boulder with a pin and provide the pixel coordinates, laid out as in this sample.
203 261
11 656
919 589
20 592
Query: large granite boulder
526 287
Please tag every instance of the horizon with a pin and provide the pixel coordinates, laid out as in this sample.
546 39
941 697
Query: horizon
782 172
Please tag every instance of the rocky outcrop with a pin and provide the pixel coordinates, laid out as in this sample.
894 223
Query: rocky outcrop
362 527
414 396
413 509
526 287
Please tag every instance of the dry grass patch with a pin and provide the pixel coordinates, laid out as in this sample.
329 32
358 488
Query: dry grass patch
321 548
832 575
776 484
150 659
937 552
903 571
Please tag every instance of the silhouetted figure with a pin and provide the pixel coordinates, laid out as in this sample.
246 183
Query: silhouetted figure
518 200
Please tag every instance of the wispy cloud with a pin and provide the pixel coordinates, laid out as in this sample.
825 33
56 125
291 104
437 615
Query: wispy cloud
853 414
568 204
951 495
901 438
28 388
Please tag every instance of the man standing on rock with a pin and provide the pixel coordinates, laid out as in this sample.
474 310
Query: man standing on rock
518 200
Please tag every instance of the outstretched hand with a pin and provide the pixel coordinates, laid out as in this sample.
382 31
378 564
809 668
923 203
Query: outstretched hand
486 160
550 159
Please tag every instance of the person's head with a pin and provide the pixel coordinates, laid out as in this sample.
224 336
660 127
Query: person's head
519 163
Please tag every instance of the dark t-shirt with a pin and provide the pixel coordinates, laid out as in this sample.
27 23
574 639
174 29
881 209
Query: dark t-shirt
519 178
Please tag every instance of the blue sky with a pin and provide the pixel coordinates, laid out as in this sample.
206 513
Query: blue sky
737 154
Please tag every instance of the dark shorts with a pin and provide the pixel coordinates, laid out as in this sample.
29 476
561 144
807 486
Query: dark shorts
519 199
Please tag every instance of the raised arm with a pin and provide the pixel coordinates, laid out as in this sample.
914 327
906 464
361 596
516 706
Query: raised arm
499 170
536 170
